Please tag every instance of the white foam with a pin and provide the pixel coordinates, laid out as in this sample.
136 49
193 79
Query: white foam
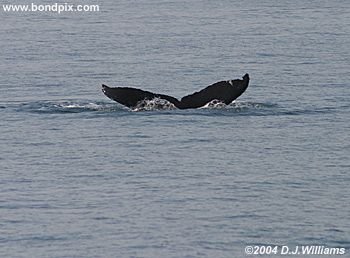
154 104
215 104
76 105
80 106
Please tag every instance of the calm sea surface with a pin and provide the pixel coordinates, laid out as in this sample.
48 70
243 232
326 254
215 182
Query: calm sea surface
81 176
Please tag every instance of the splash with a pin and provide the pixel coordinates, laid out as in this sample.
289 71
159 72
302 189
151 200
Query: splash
154 104
215 104
237 105
249 105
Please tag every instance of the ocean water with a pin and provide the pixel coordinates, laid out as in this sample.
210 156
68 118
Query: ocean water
81 176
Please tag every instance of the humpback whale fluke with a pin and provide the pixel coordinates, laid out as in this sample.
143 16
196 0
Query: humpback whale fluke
225 91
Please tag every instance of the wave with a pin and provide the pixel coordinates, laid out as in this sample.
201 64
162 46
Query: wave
214 107
156 104
70 106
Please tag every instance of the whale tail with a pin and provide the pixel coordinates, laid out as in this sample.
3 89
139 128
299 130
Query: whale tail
225 91
130 96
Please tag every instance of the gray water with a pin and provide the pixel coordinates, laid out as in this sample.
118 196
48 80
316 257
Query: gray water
81 176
